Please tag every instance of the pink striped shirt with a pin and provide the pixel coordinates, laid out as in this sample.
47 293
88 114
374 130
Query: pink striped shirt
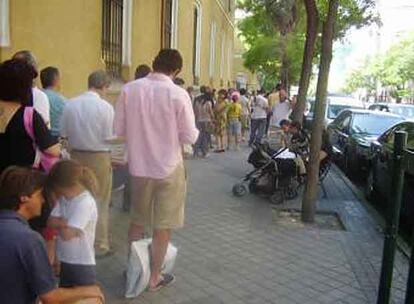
156 118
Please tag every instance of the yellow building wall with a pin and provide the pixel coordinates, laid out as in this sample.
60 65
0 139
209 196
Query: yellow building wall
213 12
239 68
65 34
185 38
146 33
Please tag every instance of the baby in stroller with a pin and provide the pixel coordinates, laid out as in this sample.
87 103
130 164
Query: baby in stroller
275 174
280 172
297 141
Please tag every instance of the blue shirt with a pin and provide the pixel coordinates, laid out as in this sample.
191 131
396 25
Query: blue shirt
57 104
25 272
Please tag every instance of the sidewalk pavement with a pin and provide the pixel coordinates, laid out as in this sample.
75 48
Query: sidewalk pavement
233 251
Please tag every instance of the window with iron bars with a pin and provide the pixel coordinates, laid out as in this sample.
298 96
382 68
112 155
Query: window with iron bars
112 15
167 11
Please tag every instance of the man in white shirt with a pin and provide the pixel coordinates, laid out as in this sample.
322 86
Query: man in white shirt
260 107
87 122
281 111
40 99
41 104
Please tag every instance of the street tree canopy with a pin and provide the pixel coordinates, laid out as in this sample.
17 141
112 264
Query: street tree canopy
274 33
392 70
274 42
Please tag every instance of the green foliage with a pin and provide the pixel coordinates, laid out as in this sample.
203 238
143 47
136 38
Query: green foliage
357 14
271 33
393 70
361 78
275 30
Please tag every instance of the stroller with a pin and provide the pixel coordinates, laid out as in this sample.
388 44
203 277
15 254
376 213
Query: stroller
274 175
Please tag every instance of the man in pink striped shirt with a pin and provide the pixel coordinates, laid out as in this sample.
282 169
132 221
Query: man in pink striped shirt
156 118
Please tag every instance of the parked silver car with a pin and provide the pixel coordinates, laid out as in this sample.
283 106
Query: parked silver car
334 105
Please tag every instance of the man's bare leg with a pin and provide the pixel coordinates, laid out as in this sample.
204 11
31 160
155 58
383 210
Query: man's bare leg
160 241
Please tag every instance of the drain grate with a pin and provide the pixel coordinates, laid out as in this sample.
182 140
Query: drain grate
327 220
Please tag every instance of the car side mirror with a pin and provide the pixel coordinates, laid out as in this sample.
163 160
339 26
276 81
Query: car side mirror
375 147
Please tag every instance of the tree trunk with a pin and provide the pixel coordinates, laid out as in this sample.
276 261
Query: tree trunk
284 69
311 190
311 34
284 75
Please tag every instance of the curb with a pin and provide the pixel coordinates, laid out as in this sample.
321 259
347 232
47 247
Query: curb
402 245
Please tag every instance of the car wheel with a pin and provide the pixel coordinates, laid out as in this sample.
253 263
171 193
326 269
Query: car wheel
239 190
370 186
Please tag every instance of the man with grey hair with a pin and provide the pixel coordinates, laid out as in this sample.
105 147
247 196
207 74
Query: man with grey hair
87 123
40 99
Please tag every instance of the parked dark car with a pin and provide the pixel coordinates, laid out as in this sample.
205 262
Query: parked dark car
380 174
404 110
352 133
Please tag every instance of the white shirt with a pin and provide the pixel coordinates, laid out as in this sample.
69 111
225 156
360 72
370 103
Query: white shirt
87 121
244 101
41 104
260 105
281 111
81 213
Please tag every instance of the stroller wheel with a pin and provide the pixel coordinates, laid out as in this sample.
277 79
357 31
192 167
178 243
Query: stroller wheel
277 198
239 190
291 192
253 186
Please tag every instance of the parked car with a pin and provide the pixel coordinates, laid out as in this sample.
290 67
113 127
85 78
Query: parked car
352 133
334 105
380 173
405 110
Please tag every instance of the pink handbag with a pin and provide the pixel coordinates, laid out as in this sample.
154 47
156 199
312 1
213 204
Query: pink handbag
42 159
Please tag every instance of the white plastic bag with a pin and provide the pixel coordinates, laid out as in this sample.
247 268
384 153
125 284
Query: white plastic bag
138 271
187 150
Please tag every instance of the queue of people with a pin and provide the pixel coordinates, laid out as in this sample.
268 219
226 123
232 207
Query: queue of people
230 116
26 274
66 202
54 213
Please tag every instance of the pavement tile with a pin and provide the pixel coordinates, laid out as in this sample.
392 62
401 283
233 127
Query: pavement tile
231 251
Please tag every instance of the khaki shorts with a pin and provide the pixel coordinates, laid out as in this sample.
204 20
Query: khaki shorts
159 203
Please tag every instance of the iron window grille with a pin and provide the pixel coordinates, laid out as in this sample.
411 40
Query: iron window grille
166 35
112 20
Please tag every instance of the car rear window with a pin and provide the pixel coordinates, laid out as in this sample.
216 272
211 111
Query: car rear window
370 124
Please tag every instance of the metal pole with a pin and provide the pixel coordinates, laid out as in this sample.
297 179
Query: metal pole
384 293
409 297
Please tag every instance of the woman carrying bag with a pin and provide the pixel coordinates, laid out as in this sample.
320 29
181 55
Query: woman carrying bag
25 139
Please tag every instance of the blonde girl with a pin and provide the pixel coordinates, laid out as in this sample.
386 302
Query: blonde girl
74 216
